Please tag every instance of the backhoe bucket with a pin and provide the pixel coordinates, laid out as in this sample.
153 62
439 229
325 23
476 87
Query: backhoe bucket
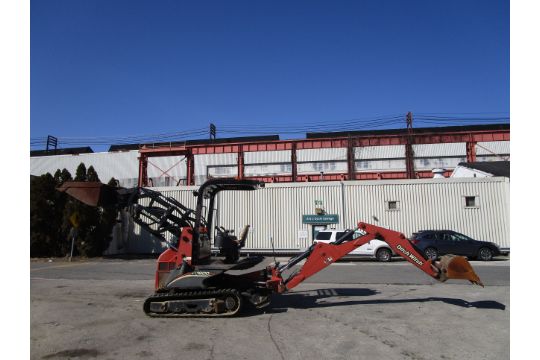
457 267
91 193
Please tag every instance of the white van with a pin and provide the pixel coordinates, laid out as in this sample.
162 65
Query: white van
375 248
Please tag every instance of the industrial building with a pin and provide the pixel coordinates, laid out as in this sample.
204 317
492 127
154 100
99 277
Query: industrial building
383 177
284 216
360 155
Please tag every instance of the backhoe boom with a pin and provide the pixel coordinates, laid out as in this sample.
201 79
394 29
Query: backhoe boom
320 255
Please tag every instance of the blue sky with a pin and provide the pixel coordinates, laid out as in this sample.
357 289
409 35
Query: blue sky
110 69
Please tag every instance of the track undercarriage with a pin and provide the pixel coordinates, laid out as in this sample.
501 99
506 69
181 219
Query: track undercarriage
186 303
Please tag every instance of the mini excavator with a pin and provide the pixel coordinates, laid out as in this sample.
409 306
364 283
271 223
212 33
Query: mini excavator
190 281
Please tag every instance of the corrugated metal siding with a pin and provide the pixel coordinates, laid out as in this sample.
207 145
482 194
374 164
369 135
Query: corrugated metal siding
436 204
433 163
267 169
124 165
120 165
321 154
202 162
167 171
276 210
267 157
497 147
493 158
325 167
379 152
174 166
433 150
380 165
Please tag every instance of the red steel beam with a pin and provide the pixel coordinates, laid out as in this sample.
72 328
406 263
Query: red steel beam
240 163
471 151
294 163
357 141
143 171
190 163
469 137
351 158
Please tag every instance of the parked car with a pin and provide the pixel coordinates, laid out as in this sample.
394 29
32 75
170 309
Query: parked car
375 248
435 243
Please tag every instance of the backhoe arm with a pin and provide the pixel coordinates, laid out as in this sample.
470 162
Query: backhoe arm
320 255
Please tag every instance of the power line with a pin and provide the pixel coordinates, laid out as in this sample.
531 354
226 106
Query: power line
363 123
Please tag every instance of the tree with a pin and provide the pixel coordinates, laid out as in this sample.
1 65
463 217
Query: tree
95 224
108 219
43 220
91 174
61 200
80 173
62 176
51 210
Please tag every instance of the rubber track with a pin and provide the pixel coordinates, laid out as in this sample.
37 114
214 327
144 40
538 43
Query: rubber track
193 294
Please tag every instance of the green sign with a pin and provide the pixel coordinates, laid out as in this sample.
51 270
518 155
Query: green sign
320 219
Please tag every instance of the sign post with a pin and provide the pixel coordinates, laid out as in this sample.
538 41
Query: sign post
74 220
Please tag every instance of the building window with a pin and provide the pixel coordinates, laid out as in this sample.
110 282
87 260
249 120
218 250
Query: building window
392 205
471 201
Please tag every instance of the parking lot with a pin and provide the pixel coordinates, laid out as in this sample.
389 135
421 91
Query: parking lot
352 310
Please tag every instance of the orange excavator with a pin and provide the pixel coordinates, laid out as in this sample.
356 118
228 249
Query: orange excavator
190 281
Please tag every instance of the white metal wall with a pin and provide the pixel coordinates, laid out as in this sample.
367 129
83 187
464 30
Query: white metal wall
380 165
331 154
436 204
123 166
445 149
267 157
379 152
315 161
493 147
267 163
216 165
433 163
275 212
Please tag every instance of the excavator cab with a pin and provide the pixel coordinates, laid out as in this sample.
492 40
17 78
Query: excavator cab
228 244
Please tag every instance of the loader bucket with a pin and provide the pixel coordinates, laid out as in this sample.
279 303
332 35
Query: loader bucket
90 193
457 267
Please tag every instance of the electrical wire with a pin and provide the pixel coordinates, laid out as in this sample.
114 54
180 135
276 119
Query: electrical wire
355 124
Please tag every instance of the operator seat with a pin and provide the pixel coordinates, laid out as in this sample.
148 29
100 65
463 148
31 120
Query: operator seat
243 236
229 245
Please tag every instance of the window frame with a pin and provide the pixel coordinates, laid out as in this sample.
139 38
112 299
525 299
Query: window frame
387 203
476 201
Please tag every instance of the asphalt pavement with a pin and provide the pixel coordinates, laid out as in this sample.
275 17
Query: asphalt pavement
363 271
352 310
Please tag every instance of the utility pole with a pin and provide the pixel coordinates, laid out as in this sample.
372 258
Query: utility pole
212 131
51 142
409 153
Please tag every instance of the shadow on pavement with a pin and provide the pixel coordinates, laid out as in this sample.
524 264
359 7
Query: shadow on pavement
307 300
